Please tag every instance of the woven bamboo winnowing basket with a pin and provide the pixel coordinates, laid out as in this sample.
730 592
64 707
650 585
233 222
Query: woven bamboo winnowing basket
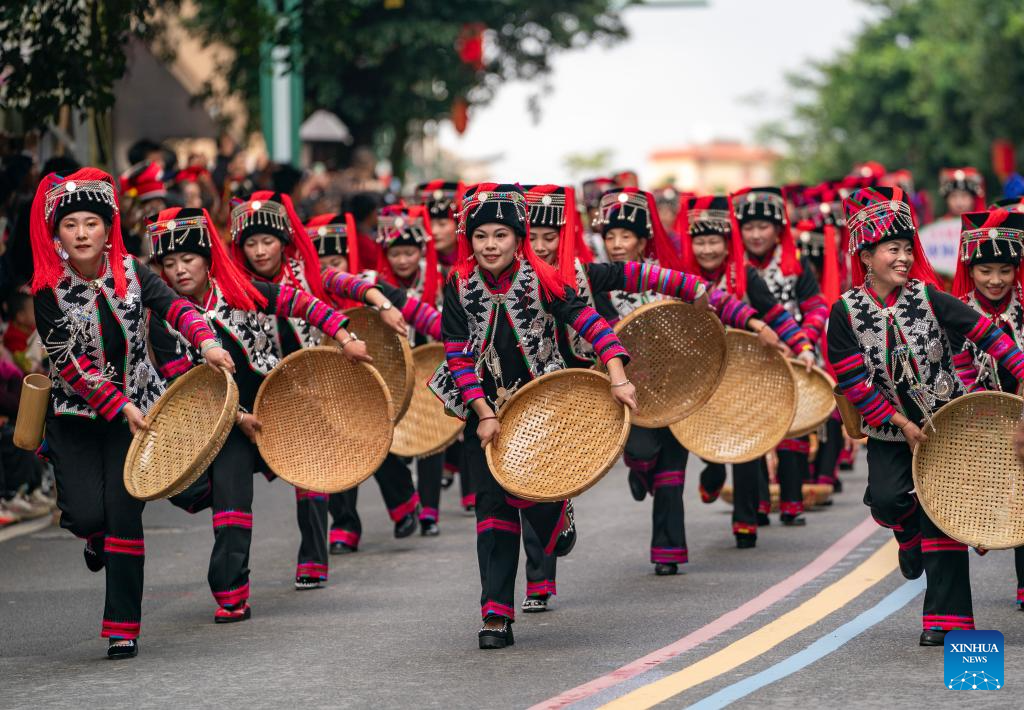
814 494
559 435
677 356
327 422
966 474
425 429
814 399
391 353
188 425
751 410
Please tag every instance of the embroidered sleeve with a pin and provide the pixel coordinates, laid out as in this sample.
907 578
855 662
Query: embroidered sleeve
731 311
345 285
170 357
638 277
851 372
779 320
397 296
293 303
75 367
815 312
424 318
967 370
953 314
460 356
574 312
181 315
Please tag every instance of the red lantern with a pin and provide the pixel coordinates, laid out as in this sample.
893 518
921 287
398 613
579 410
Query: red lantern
1004 160
460 115
470 45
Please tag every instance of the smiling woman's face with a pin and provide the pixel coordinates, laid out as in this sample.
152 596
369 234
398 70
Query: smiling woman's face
494 246
890 262
83 235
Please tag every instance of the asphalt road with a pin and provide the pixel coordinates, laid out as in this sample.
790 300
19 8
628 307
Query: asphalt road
396 626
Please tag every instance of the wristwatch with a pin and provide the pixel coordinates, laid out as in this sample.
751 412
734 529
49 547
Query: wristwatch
386 306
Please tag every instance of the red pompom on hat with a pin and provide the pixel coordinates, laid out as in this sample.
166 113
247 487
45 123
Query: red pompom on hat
188 229
144 181
85 190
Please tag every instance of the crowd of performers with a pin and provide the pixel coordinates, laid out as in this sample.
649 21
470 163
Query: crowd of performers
516 281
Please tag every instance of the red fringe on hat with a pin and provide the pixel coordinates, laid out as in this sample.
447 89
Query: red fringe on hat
552 284
300 247
430 277
351 243
48 267
581 250
736 272
830 266
963 284
236 288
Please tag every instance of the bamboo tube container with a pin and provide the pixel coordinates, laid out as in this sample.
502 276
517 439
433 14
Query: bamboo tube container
35 400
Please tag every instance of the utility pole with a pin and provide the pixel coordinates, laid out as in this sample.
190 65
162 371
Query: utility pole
281 85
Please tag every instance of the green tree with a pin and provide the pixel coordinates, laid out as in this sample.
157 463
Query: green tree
926 84
56 53
386 67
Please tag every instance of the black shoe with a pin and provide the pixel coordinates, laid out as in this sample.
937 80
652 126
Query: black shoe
340 548
911 562
837 486
666 569
846 466
763 520
406 526
496 638
446 482
305 583
636 486
93 559
745 542
429 528
567 538
793 521
534 605
122 648
933 637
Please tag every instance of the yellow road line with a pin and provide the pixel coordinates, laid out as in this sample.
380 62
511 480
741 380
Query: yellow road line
867 574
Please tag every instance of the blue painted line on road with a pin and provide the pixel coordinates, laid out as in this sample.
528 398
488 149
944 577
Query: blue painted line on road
888 606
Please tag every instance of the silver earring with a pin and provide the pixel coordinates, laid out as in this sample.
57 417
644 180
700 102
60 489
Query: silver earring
59 248
869 277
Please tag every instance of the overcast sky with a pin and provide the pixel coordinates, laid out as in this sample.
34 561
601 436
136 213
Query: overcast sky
683 76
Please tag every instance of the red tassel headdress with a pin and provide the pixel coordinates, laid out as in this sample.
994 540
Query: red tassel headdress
182 229
88 190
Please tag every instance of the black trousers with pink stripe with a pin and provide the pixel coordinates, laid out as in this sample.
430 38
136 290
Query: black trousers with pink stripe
499 520
311 515
794 469
88 458
226 487
396 488
947 599
540 567
660 461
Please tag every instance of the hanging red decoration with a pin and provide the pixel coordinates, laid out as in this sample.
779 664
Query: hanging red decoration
460 115
1004 160
470 45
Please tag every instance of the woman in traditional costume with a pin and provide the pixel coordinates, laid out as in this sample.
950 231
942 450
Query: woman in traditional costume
502 306
896 343
91 300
